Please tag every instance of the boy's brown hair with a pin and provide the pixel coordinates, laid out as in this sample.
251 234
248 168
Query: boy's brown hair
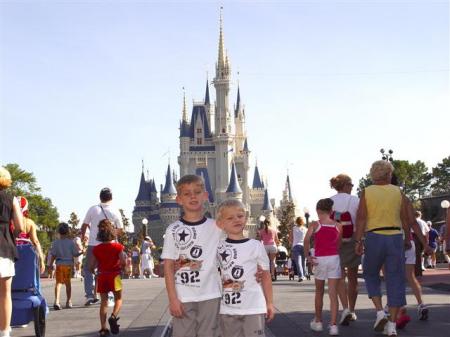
190 179
106 231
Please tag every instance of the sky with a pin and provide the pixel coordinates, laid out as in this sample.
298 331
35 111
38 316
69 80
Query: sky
89 89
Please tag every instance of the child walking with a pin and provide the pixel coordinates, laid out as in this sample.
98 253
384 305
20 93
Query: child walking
191 243
327 237
109 259
245 304
63 250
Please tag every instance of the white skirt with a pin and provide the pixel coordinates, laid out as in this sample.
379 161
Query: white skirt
6 267
147 262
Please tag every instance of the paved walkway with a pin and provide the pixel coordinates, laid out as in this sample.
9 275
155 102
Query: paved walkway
144 312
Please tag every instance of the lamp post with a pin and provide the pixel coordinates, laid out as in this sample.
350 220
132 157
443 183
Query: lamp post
387 156
306 212
445 204
144 227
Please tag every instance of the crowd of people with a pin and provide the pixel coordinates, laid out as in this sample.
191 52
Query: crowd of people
217 279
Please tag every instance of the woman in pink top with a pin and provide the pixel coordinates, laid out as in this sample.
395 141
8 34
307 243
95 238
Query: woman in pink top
327 237
269 238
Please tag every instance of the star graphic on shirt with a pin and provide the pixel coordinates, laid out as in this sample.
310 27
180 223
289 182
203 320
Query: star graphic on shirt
183 235
224 255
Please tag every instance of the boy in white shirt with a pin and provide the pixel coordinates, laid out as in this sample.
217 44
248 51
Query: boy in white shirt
190 244
245 303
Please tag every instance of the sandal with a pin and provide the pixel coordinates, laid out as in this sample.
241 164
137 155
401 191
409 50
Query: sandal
69 305
103 332
56 306
112 320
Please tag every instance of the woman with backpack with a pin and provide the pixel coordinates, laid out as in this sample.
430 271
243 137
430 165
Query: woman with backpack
344 211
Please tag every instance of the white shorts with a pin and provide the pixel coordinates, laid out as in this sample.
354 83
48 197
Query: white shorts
327 267
410 254
6 268
271 249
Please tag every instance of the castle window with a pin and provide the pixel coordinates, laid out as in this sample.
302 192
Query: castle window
199 141
223 130
199 130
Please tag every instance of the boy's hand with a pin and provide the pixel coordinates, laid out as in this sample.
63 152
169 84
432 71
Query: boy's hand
259 273
270 313
176 308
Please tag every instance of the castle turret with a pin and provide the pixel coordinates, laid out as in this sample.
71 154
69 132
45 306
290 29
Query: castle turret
267 206
239 123
169 209
234 191
183 159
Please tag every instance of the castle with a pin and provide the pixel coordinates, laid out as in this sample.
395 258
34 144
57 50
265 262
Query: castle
213 144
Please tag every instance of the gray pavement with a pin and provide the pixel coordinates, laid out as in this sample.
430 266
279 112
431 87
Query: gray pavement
144 312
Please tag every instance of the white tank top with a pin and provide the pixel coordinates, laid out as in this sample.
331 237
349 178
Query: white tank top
298 235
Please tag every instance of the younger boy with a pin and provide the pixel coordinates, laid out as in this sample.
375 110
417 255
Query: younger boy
191 243
63 250
245 303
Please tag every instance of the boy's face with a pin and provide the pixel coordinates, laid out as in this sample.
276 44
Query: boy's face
192 197
232 220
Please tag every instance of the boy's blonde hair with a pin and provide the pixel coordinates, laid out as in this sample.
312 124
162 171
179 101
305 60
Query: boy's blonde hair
190 179
5 178
229 203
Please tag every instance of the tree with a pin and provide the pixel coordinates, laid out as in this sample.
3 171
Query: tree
441 177
125 220
123 238
286 216
41 209
73 221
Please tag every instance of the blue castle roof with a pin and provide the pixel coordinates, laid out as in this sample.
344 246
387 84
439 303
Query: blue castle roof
199 112
203 172
233 186
288 186
257 183
267 206
184 129
245 148
169 187
238 103
144 192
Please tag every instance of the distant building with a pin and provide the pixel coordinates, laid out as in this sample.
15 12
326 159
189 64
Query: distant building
214 145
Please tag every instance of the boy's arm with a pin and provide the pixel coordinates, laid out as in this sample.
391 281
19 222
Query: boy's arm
175 305
93 264
266 284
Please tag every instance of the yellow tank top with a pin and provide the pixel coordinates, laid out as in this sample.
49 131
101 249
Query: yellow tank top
383 208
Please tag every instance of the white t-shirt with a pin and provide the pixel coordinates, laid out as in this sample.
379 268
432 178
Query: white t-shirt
238 261
95 214
195 246
423 226
298 235
344 202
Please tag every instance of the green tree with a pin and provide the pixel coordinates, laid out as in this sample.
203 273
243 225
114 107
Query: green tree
41 209
123 238
125 220
441 177
73 220
286 216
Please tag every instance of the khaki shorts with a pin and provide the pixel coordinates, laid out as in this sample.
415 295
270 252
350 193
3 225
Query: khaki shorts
242 325
200 319
349 259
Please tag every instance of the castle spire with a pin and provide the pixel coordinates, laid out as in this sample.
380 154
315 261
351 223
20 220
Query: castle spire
238 103
267 206
233 186
207 101
288 188
221 57
257 183
185 119
169 187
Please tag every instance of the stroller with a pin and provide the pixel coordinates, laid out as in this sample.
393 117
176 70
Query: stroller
281 262
27 302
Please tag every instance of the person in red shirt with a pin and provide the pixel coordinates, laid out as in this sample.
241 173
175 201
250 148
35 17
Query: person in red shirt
109 259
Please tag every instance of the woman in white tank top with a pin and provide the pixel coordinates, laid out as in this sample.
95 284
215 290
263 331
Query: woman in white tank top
296 238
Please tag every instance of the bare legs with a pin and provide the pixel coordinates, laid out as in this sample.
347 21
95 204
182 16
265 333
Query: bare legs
5 303
332 293
413 283
348 294
272 257
104 307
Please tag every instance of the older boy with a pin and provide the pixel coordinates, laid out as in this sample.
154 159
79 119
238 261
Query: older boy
191 242
245 303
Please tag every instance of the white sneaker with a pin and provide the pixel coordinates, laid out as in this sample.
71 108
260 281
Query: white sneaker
389 329
380 321
354 317
346 317
422 312
5 333
333 330
316 326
